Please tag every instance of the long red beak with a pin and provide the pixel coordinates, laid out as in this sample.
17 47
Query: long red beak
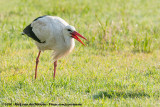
75 35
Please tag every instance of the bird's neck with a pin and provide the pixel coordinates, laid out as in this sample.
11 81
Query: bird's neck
69 43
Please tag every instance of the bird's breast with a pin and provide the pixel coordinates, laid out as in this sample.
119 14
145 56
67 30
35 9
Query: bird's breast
63 50
68 46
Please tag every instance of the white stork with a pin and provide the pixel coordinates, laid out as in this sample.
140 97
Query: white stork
52 33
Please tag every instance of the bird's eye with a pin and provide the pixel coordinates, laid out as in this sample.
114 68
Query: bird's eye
68 29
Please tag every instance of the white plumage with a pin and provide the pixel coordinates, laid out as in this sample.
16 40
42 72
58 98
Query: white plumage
50 29
52 33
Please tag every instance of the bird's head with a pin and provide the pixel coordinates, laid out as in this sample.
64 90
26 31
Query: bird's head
71 32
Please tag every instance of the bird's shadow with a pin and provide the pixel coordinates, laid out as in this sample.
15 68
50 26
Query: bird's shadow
115 94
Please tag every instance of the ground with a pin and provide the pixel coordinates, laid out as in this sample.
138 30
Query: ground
120 66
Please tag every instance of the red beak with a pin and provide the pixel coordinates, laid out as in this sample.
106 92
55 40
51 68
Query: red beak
75 35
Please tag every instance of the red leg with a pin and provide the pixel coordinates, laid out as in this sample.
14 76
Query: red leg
37 60
55 65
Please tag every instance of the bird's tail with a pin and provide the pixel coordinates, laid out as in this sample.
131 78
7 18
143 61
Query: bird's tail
22 33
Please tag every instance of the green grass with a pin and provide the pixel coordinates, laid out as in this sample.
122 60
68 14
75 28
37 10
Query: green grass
119 67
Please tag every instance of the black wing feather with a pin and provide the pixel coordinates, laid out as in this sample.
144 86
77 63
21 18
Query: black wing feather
39 17
28 31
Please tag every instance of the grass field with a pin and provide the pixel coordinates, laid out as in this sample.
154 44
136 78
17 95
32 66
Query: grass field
119 67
